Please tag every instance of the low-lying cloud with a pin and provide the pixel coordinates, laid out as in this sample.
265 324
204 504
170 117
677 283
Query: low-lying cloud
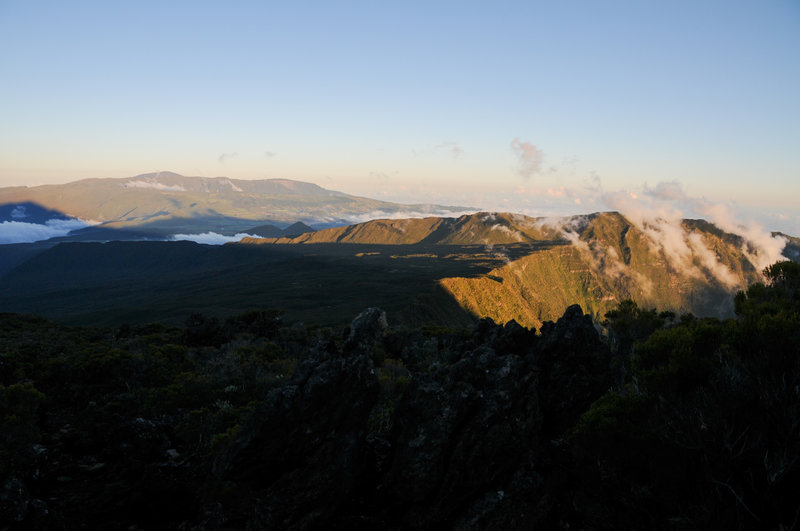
661 209
22 232
152 183
403 214
658 213
212 238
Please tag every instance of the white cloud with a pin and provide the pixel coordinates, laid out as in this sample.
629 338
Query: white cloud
21 232
404 214
659 214
212 238
152 183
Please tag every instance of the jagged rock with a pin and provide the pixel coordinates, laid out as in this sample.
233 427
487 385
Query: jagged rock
575 368
365 330
468 427
302 450
459 435
14 501
18 508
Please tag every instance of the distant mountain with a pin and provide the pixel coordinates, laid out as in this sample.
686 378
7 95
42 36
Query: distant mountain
271 231
296 229
29 212
266 231
165 203
473 229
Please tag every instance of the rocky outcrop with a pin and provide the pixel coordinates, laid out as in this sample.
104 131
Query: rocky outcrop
303 450
461 444
575 366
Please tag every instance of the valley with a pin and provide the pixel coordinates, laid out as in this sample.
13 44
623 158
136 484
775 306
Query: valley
448 271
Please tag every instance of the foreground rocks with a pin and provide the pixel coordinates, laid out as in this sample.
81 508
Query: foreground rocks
250 424
355 443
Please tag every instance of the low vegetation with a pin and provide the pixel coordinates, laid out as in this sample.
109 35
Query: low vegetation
661 421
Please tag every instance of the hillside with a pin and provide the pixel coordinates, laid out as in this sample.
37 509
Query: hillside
595 261
443 270
167 203
473 229
610 260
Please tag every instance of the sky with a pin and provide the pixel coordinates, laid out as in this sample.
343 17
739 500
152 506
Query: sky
542 108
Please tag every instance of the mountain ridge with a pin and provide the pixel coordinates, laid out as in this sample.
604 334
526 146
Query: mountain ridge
608 259
165 203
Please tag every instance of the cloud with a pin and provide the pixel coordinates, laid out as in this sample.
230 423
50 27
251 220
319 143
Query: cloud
669 191
152 183
19 212
761 247
659 214
211 238
452 148
269 154
225 157
530 157
507 231
21 232
404 214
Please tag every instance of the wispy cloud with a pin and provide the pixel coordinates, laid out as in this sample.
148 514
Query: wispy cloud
269 154
406 214
152 183
450 147
529 156
225 157
660 211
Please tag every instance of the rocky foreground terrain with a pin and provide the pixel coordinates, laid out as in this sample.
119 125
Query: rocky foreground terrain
652 421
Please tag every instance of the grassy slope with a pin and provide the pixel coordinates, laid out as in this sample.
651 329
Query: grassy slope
614 261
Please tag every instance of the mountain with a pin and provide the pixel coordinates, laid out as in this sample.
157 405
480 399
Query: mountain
474 229
271 231
441 270
296 229
595 261
29 212
166 203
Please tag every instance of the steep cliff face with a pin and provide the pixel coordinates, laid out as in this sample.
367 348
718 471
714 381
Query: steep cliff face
608 260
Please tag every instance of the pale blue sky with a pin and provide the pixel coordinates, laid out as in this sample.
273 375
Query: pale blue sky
413 101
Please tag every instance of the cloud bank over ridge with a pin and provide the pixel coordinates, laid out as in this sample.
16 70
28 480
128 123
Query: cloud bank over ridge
22 232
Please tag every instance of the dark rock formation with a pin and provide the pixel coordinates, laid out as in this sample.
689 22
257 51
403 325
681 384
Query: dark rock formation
575 368
461 444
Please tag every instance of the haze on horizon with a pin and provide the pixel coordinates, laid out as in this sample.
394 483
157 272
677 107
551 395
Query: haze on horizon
533 107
